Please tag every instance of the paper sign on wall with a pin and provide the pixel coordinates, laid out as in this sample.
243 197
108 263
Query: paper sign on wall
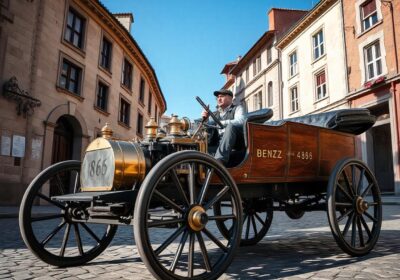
5 145
18 146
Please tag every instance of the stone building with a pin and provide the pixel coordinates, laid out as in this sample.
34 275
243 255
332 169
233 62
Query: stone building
313 62
372 29
254 78
66 68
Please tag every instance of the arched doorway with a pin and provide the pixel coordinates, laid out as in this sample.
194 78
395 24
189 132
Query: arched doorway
67 143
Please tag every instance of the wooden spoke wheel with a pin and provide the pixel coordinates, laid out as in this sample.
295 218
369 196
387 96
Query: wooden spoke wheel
255 223
49 232
175 222
354 207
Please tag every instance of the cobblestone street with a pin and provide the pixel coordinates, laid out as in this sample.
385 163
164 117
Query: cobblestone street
292 249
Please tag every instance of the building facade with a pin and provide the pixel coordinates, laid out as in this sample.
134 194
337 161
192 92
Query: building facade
313 62
257 73
372 29
66 70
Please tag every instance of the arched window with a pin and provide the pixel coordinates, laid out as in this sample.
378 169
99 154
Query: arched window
270 95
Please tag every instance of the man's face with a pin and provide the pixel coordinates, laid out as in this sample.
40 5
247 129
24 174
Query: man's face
224 101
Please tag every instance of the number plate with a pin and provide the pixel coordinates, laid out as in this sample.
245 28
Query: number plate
98 170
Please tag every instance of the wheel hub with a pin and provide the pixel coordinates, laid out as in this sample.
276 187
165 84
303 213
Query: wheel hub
197 218
361 205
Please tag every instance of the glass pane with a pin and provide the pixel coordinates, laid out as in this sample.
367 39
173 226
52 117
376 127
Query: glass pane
370 71
78 24
378 67
70 19
369 54
75 41
67 34
377 50
72 86
63 82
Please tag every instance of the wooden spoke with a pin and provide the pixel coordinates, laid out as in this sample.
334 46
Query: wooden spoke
215 240
65 240
216 198
204 251
344 191
248 227
348 223
370 217
78 239
191 255
169 240
359 185
60 184
44 218
191 183
169 201
179 251
259 219
55 203
253 220
178 185
354 231
222 217
360 233
347 213
204 188
90 232
366 191
367 230
346 179
52 234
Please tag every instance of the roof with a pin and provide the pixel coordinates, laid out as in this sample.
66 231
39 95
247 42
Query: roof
304 22
140 56
227 68
253 50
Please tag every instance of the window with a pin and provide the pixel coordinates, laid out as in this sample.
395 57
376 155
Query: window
124 111
258 101
373 60
258 61
254 68
318 44
149 104
294 100
269 54
139 127
369 15
127 74
141 90
320 82
247 74
155 114
105 55
293 63
102 96
74 29
270 95
70 77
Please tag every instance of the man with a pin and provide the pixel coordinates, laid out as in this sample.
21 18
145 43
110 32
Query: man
232 118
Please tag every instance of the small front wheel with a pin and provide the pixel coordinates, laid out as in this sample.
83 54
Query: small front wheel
51 234
354 207
175 222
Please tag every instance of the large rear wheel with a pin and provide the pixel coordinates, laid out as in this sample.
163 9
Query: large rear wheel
354 207
174 220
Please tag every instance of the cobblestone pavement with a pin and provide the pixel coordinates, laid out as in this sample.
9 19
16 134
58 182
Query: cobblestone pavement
292 249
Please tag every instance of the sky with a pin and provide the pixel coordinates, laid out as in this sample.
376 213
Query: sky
188 42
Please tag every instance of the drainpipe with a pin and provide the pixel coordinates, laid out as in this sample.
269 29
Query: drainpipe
280 84
345 51
390 4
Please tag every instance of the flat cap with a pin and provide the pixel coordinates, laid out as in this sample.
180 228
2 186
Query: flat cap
223 92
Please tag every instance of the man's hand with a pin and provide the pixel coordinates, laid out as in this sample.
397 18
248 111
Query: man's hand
204 114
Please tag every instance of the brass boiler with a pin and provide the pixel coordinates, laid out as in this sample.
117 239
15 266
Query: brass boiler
111 164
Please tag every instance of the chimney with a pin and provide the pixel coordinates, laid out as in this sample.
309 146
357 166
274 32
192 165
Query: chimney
282 19
126 19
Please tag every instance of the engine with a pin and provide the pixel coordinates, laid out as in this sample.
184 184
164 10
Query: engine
115 164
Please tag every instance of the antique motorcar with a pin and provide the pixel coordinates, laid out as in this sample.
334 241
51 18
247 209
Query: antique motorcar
189 212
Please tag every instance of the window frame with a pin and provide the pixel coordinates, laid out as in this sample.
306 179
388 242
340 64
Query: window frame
320 47
270 90
78 66
269 54
372 18
82 35
127 111
109 59
142 88
124 75
293 64
296 100
320 88
100 83
149 103
375 59
139 124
